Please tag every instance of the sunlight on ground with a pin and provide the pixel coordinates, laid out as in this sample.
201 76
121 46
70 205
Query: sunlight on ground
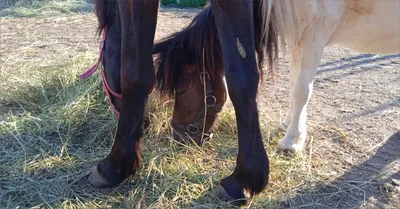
55 127
35 8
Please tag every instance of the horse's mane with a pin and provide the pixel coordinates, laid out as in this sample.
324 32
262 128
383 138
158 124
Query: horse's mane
106 12
185 48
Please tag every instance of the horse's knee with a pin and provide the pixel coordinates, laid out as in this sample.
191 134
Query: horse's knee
243 90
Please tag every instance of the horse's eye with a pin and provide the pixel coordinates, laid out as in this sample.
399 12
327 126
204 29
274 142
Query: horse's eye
180 92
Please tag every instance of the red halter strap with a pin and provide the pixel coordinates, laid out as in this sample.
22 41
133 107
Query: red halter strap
93 69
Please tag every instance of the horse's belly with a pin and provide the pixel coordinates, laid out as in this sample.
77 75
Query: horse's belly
370 26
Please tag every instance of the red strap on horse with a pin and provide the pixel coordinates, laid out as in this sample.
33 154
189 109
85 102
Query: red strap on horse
93 69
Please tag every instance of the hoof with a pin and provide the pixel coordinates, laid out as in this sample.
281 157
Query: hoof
286 146
98 180
223 195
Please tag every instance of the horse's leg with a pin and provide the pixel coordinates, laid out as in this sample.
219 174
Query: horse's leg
234 21
307 60
292 78
138 23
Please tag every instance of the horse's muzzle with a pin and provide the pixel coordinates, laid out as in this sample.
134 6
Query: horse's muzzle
189 135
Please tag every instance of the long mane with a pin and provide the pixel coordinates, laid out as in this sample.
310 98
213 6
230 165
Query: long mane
106 12
184 48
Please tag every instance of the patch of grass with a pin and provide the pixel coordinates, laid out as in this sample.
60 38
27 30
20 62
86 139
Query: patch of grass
35 8
185 3
54 127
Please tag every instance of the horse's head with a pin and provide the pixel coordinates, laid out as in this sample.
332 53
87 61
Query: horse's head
198 89
189 69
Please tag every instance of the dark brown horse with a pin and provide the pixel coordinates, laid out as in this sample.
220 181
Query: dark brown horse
228 38
179 68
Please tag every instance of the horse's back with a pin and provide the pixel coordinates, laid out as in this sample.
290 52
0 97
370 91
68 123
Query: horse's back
370 26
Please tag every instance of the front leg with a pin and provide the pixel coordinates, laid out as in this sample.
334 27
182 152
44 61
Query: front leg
234 21
292 79
308 53
138 23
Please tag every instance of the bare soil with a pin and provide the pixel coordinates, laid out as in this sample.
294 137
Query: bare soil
354 113
353 130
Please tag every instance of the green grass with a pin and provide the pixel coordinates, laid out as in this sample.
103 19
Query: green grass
185 3
40 8
54 127
37 8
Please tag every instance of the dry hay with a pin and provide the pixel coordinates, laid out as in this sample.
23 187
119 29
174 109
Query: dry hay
55 127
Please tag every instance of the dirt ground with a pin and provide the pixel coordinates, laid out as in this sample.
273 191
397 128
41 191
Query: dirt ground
354 113
353 127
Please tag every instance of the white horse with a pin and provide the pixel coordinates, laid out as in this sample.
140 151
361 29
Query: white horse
306 27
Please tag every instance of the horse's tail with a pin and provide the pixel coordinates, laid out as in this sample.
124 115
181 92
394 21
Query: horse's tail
277 19
105 12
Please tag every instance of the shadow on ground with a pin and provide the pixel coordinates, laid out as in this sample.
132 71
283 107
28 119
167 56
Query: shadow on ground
374 179
355 61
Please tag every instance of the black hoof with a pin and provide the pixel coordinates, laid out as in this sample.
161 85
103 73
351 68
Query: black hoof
105 175
236 197
97 180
